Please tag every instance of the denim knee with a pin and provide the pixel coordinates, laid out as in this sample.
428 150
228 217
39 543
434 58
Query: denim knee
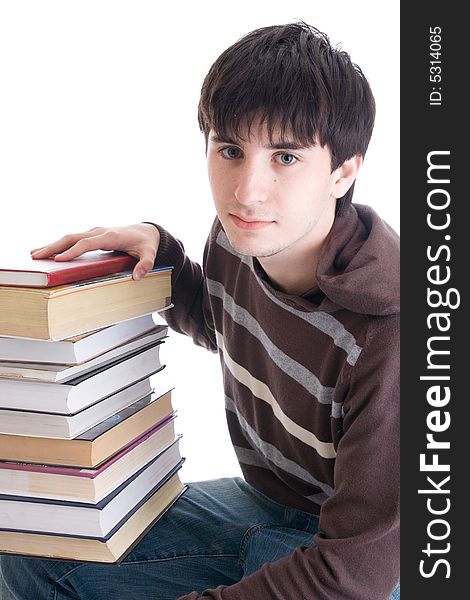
28 578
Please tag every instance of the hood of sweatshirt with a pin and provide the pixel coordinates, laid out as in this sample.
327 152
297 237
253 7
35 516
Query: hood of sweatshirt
359 266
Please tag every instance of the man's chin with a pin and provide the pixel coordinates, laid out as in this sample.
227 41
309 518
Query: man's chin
253 250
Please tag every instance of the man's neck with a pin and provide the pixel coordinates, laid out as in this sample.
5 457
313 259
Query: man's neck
295 271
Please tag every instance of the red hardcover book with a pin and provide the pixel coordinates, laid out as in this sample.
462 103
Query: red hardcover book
23 271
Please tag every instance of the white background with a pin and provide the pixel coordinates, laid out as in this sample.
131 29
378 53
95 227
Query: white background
98 126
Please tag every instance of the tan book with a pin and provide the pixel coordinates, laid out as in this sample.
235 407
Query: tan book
96 445
63 311
110 549
85 485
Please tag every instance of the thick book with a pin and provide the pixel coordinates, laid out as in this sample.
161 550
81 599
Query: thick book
61 517
78 349
25 271
86 485
40 424
75 395
62 374
64 311
95 446
108 549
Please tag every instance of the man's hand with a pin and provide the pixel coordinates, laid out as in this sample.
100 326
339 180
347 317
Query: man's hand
140 240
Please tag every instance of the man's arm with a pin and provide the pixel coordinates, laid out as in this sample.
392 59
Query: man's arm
191 313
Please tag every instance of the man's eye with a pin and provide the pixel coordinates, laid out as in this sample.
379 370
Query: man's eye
230 153
286 159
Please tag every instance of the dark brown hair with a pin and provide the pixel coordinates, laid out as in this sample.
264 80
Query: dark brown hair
291 77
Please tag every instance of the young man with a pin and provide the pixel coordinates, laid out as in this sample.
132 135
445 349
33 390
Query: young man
299 295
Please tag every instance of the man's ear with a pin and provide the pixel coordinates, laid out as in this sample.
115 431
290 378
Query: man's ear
345 175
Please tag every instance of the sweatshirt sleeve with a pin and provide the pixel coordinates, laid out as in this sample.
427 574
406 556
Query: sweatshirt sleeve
191 312
356 551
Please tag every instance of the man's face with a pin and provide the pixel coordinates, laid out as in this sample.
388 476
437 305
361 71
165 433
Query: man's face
271 199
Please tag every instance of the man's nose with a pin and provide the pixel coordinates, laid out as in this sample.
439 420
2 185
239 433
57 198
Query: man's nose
252 185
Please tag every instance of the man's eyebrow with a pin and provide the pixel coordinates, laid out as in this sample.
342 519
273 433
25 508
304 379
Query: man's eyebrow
224 140
287 145
281 145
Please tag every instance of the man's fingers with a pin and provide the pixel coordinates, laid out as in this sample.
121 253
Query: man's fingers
105 241
65 243
50 250
143 267
36 249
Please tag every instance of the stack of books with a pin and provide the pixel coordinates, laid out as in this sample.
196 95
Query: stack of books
89 456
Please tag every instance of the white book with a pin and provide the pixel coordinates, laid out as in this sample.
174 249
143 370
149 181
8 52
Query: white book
70 398
62 374
90 520
39 424
74 350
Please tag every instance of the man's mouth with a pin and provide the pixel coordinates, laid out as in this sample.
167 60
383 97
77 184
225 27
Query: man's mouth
249 223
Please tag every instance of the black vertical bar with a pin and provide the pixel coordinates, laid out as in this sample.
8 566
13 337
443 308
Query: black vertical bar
435 248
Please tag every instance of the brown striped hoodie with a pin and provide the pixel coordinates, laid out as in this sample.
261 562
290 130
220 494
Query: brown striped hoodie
312 399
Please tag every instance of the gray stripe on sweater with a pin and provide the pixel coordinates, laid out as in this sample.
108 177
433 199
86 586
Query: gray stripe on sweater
323 321
336 410
252 458
273 455
291 367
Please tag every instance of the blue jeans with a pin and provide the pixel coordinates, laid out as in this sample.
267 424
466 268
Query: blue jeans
217 533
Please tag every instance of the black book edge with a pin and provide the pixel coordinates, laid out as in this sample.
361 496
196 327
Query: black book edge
90 435
127 274
120 359
160 423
